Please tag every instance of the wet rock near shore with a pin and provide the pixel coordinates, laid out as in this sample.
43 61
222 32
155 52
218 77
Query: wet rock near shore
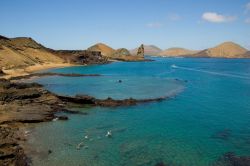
11 153
109 102
63 117
53 74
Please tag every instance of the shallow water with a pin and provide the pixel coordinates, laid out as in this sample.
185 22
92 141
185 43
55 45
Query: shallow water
209 116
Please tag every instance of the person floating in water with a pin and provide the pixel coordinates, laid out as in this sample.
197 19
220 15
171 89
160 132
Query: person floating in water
109 134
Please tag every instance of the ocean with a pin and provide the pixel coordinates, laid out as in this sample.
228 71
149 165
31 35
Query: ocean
206 115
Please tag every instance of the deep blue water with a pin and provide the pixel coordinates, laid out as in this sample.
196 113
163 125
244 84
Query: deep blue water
208 114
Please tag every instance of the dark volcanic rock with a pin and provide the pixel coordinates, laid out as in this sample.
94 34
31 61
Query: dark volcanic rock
63 117
12 94
79 99
10 152
1 72
3 38
53 74
81 56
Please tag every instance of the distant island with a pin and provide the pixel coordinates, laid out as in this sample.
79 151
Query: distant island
224 50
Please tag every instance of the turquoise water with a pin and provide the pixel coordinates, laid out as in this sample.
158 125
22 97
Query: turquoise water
207 115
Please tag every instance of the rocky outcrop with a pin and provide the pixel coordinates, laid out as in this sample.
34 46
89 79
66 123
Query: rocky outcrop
1 72
52 74
140 51
80 56
148 50
11 153
120 53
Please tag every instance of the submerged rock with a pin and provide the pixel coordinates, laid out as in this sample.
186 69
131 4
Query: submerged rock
230 159
222 134
63 117
160 164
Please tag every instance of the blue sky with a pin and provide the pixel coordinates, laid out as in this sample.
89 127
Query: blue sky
78 24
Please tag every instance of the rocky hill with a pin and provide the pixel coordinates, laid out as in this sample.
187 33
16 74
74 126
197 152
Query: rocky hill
176 52
148 50
224 50
121 54
23 52
103 48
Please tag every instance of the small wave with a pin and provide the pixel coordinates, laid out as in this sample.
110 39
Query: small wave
210 72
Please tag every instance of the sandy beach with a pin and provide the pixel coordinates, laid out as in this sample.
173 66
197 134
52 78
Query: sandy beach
31 69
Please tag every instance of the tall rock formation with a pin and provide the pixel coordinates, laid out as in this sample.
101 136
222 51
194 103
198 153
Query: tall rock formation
148 50
140 51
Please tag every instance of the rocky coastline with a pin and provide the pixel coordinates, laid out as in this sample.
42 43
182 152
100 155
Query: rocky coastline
22 104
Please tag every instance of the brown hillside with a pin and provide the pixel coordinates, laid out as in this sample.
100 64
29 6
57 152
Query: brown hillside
103 48
23 52
177 52
224 50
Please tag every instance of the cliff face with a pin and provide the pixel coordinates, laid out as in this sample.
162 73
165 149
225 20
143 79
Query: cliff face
23 52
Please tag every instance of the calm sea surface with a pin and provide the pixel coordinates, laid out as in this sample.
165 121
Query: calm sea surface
207 115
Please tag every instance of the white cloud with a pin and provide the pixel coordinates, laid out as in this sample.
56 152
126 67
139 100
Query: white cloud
217 18
174 17
247 20
154 25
